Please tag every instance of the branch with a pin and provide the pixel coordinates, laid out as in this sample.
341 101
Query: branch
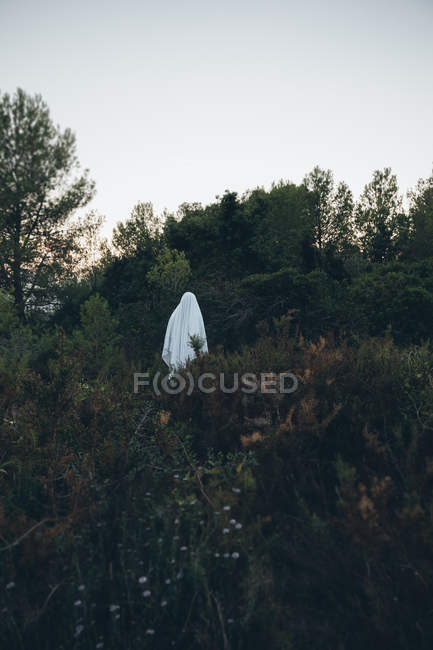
20 539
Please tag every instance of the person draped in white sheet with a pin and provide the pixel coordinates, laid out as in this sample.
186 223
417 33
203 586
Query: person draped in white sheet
185 321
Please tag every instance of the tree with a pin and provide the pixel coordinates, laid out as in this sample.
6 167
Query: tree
38 196
341 227
379 217
140 233
330 211
281 234
170 274
320 183
421 214
96 340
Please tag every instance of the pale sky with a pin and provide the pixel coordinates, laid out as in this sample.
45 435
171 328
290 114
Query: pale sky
175 101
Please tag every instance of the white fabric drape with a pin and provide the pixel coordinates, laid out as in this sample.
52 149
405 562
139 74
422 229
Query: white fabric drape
186 320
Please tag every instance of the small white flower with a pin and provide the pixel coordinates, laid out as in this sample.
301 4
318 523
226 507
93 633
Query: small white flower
10 585
114 607
163 603
216 554
226 554
227 508
225 531
81 588
232 521
238 526
142 580
168 581
78 630
150 631
148 494
229 620
193 502
184 548
100 645
146 593
78 603
217 512
176 521
236 490
176 476
235 555
117 617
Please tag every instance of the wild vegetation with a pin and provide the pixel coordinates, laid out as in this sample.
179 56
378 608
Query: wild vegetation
222 519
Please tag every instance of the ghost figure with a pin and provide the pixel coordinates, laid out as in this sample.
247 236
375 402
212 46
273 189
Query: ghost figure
185 321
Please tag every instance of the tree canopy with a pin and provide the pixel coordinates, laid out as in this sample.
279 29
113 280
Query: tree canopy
38 196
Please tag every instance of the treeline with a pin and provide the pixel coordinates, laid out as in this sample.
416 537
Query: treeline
353 268
356 268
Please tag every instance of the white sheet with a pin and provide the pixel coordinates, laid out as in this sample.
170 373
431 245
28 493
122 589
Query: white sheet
186 320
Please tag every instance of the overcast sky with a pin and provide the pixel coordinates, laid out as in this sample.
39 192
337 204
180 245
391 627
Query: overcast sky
175 101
